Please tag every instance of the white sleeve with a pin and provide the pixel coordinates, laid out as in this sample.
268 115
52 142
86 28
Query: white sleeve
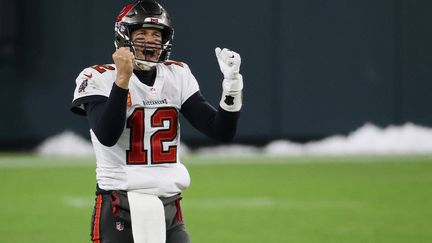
90 83
190 85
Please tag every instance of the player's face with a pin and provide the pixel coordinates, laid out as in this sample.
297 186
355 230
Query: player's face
147 42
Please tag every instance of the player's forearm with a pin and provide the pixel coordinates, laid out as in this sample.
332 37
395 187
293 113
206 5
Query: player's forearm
107 118
218 124
225 125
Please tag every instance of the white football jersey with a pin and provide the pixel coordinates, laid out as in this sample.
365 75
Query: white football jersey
146 157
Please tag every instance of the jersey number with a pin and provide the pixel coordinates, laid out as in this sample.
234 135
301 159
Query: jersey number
102 68
137 154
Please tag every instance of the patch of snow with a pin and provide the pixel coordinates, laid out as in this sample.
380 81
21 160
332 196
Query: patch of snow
66 143
367 140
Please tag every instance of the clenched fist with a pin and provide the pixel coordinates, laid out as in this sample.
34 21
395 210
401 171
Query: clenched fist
229 62
232 84
124 61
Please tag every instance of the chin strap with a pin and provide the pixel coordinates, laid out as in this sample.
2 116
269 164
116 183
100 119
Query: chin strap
144 65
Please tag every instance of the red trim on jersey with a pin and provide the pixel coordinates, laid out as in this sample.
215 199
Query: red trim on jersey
179 215
174 62
124 11
96 220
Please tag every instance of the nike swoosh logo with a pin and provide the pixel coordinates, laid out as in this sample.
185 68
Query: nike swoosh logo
89 76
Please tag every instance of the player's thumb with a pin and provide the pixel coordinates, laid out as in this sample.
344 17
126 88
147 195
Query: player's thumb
217 52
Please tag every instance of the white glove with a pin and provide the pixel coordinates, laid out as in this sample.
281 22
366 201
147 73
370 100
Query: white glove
232 85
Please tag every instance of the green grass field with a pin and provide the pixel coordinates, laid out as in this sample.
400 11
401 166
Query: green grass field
237 200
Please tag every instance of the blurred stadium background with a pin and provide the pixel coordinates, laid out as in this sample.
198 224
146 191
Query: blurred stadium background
313 69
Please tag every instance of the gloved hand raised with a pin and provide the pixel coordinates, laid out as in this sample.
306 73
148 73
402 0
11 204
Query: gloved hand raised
232 85
229 62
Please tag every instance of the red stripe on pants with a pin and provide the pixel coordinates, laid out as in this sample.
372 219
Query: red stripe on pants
179 214
96 220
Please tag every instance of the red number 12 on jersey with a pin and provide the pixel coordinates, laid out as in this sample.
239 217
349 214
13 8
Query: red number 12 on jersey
137 154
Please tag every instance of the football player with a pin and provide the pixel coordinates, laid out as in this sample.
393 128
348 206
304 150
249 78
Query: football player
133 107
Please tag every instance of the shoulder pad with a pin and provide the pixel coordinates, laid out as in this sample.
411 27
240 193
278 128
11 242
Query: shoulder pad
174 62
96 71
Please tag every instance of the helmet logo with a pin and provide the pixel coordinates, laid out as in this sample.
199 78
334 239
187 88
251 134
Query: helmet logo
154 20
125 10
